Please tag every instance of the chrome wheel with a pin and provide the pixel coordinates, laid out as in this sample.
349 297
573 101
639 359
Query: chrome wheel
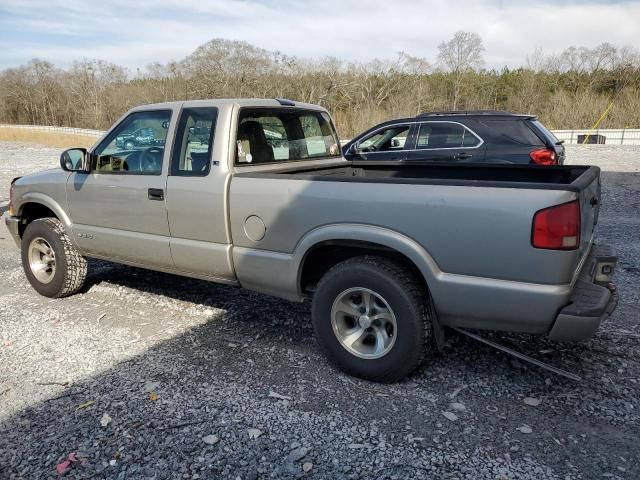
42 260
363 323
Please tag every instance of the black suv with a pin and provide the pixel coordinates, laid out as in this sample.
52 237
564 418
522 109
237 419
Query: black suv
475 136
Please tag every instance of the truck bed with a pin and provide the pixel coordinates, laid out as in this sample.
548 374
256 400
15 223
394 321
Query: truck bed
570 178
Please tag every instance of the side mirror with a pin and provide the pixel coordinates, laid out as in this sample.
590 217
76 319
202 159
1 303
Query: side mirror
355 148
74 160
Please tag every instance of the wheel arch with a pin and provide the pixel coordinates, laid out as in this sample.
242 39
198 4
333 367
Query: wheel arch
326 246
36 205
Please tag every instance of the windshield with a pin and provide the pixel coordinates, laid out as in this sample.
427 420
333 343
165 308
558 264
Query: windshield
279 135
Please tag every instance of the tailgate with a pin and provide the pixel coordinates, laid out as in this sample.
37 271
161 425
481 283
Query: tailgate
589 196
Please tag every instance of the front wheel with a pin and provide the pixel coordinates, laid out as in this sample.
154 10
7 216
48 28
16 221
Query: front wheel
370 317
53 265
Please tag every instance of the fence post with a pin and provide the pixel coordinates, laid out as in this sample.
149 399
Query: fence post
571 138
622 137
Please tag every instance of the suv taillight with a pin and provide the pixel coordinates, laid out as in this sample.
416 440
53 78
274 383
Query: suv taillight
544 156
558 227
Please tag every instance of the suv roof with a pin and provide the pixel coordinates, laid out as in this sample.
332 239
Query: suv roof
474 113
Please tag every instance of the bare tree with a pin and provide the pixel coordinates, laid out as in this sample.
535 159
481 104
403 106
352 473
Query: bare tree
460 55
567 90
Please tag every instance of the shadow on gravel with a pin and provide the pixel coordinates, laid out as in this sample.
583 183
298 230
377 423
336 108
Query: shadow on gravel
341 425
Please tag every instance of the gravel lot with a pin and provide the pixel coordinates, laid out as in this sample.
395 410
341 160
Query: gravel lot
147 375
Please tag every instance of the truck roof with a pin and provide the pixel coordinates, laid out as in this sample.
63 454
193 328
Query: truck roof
224 102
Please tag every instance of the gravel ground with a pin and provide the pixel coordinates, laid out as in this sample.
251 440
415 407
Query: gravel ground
146 375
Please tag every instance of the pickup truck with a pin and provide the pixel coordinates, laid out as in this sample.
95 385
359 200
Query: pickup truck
389 255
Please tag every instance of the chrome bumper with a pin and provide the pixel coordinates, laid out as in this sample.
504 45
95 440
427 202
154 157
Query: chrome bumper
13 225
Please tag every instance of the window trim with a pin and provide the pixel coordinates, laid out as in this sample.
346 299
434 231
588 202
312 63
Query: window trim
179 173
237 163
448 148
110 136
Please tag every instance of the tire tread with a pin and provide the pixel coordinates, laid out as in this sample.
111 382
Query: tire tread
75 273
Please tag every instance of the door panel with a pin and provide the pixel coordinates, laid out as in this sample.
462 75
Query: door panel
118 210
196 196
113 217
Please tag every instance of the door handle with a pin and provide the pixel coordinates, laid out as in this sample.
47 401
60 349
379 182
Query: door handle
156 194
463 156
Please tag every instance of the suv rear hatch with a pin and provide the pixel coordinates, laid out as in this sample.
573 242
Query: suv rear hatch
550 140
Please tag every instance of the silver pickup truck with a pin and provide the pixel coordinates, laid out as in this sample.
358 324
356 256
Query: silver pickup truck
255 193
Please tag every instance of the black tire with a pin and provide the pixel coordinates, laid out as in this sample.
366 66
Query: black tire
70 266
406 297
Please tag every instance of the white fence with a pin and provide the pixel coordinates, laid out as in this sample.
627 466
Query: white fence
67 130
624 136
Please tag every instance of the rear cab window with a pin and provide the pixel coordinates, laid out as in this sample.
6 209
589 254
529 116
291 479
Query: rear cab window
268 135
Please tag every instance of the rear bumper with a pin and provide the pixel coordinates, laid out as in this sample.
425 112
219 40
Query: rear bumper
593 299
13 227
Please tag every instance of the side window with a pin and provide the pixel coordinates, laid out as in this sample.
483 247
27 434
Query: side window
509 132
136 146
445 135
193 144
387 139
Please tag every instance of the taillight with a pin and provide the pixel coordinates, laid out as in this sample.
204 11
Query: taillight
544 156
558 227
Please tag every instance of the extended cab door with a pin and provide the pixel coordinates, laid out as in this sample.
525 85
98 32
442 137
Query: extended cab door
446 141
196 196
118 209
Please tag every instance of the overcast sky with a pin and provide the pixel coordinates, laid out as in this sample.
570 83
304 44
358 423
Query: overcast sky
135 33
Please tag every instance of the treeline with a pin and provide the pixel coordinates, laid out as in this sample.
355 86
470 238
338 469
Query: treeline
569 90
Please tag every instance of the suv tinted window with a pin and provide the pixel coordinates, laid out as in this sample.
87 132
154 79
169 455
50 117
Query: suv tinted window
271 135
512 132
545 132
387 139
445 135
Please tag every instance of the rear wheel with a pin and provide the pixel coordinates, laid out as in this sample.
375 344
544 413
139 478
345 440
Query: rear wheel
370 317
53 265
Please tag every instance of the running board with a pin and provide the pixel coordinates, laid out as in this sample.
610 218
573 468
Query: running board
521 356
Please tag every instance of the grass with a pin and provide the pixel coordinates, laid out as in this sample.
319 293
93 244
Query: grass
49 139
